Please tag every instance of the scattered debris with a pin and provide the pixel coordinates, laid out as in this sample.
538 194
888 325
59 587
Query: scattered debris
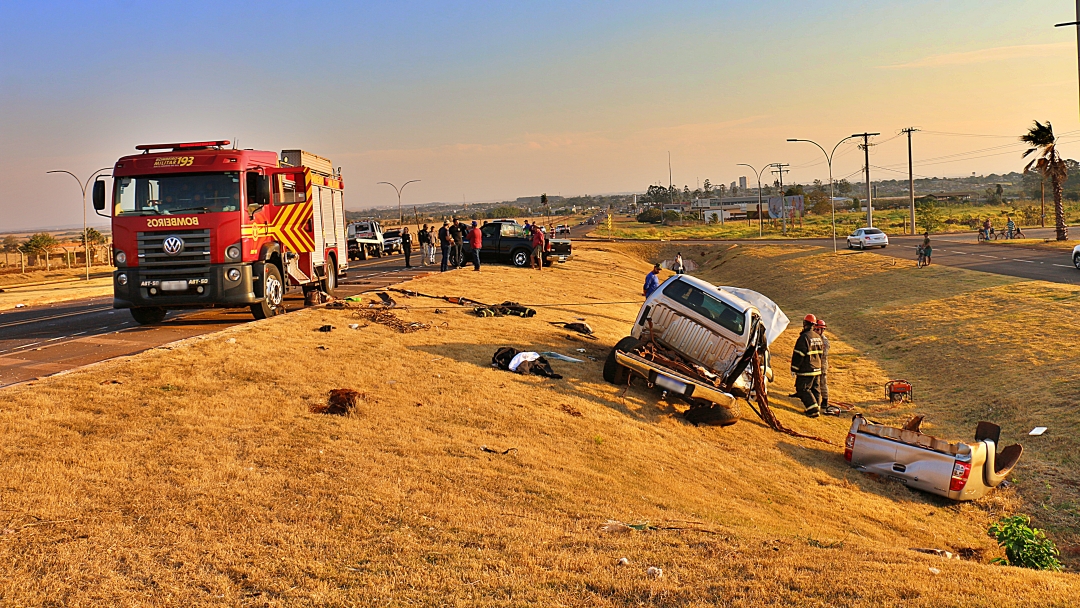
654 572
340 403
505 309
615 526
20 306
622 562
354 326
560 357
231 341
935 571
387 301
327 328
485 448
104 382
339 304
1039 430
513 360
440 311
580 350
322 347
316 297
389 319
570 410
938 552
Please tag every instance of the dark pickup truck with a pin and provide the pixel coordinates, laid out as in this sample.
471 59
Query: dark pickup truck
510 243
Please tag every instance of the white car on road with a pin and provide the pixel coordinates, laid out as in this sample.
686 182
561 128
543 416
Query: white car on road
867 237
1076 256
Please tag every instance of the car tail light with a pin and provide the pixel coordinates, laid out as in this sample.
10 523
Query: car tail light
849 446
960 472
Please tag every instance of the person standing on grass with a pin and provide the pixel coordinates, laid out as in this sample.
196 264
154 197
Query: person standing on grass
475 241
406 246
806 367
823 381
425 246
456 233
446 243
652 281
679 267
537 248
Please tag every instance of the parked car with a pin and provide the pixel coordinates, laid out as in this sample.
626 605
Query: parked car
507 242
503 221
697 342
392 241
958 471
365 239
562 229
1076 256
867 237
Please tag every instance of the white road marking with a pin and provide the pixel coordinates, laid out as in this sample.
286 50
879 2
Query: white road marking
1062 266
1028 261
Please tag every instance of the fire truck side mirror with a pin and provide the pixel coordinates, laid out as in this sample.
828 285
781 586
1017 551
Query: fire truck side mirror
99 195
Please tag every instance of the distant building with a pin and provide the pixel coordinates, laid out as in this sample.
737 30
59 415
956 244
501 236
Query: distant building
733 207
742 183
732 187
535 200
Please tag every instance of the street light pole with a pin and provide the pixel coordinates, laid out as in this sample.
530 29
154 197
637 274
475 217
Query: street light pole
832 197
760 220
398 190
83 186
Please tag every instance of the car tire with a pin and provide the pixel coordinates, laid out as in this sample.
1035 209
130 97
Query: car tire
884 246
151 315
712 414
1076 260
520 258
363 253
613 372
273 293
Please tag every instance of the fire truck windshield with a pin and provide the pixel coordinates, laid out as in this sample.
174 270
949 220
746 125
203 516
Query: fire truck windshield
177 193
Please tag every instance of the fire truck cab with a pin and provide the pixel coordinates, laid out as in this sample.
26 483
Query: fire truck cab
201 225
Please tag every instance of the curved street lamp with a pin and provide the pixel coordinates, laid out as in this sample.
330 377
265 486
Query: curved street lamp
832 199
761 221
398 190
83 186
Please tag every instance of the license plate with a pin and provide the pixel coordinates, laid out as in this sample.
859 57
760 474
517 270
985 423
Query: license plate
671 385
174 285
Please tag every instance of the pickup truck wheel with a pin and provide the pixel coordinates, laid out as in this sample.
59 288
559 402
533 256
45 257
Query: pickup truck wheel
712 414
273 293
613 372
148 316
520 258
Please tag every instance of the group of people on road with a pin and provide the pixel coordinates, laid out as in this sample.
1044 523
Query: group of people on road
810 366
451 239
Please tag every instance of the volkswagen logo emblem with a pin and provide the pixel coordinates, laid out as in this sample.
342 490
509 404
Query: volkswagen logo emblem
172 245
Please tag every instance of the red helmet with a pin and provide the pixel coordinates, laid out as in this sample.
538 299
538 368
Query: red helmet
820 324
810 319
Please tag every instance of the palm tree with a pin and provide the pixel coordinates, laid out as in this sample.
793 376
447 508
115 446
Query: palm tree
1050 165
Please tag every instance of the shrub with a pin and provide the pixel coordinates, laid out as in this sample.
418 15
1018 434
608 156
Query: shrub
1025 546
650 216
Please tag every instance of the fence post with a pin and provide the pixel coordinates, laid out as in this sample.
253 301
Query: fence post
22 262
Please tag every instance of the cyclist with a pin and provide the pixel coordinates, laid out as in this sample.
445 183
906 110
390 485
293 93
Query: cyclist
1010 227
924 251
987 227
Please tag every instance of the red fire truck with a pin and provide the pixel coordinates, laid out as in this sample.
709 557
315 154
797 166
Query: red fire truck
201 225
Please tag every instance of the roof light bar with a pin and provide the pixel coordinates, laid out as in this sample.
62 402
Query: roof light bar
183 146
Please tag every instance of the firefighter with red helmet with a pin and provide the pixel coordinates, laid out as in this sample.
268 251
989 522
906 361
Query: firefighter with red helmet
806 367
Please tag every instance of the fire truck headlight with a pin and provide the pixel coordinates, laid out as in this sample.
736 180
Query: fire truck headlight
121 279
232 252
233 274
121 257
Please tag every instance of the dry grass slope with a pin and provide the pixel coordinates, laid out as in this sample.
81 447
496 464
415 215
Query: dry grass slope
199 477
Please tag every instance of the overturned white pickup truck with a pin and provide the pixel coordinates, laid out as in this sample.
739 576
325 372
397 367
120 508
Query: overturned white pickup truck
703 344
959 471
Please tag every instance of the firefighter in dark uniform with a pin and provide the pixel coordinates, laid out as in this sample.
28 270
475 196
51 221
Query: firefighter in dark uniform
806 366
823 381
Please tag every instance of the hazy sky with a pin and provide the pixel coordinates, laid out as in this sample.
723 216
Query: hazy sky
495 100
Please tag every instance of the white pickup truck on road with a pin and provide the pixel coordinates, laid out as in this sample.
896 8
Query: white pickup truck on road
365 240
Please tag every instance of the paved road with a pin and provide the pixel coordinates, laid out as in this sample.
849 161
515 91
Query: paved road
45 340
964 251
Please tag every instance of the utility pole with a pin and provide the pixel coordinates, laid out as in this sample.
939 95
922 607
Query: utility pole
722 189
911 174
780 168
671 196
869 193
1075 23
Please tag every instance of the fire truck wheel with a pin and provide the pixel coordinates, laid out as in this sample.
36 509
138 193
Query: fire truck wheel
273 293
329 284
613 372
148 316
